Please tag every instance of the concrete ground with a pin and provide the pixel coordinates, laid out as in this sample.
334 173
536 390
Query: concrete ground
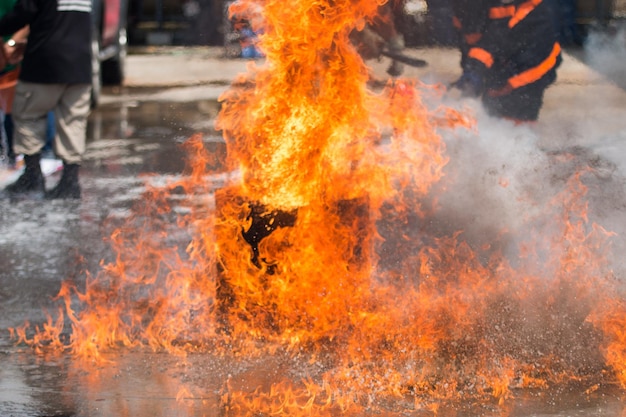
589 95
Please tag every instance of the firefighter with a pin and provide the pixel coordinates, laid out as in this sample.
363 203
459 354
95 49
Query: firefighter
509 54
381 34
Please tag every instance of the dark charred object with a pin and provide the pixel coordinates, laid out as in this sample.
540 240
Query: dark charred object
263 221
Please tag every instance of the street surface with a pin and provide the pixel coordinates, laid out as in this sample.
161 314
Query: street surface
171 94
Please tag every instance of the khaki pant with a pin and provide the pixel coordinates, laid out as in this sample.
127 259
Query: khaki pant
71 106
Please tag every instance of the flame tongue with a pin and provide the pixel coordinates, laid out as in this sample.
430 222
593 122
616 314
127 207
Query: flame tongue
298 133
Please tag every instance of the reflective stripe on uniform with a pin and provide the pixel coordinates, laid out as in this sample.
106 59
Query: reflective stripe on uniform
472 38
533 74
481 55
74 6
522 11
501 12
517 14
456 22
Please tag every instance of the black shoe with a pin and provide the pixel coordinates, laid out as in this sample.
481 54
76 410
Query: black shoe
31 181
68 186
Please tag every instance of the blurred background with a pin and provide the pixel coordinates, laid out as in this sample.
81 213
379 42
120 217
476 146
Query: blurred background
423 22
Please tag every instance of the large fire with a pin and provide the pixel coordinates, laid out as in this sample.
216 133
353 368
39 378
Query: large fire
318 246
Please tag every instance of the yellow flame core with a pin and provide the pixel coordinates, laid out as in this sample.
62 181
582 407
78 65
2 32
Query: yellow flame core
307 127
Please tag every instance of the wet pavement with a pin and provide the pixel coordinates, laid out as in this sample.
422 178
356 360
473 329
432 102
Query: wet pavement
44 243
135 138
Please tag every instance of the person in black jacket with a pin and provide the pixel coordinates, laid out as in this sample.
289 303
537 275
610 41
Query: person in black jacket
55 76
509 54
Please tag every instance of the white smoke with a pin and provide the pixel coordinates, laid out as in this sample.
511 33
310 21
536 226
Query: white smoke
495 180
501 174
605 50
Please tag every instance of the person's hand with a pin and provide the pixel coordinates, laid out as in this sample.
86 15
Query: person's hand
470 84
504 91
14 51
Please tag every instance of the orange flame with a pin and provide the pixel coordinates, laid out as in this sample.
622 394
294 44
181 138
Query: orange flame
319 248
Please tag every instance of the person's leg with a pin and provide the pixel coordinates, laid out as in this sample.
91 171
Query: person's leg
30 107
71 126
520 105
50 133
30 111
3 137
8 129
8 81
384 24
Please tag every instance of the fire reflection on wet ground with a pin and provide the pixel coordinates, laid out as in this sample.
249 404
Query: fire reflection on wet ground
149 384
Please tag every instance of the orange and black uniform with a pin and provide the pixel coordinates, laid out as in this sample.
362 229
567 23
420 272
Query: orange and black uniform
470 21
512 47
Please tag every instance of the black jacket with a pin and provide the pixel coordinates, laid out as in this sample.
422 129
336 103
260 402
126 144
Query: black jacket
59 43
518 42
